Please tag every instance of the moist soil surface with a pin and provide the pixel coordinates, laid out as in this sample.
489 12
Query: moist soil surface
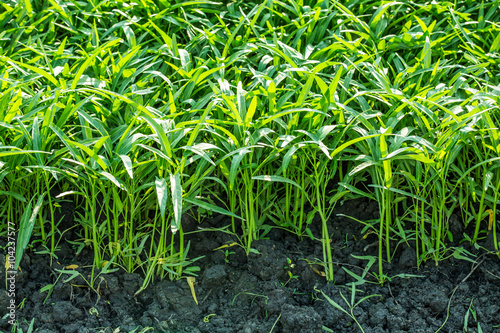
278 290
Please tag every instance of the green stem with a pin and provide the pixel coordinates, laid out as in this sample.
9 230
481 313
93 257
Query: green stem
417 252
287 200
152 265
40 215
479 215
131 227
95 234
422 228
388 217
380 244
181 250
232 204
108 221
52 220
320 202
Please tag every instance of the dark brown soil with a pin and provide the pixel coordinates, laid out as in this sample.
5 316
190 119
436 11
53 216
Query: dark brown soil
278 290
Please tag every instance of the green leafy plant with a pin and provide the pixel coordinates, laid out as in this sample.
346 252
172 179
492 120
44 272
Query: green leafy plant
350 303
16 329
271 113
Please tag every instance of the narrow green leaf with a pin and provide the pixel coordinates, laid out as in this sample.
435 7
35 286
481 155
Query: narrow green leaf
43 73
87 62
235 165
277 179
161 194
210 207
251 110
351 142
15 195
120 184
26 228
127 162
176 190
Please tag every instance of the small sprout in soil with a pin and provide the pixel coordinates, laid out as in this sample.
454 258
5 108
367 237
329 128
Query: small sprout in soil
21 305
471 310
227 253
93 311
290 278
206 319
289 264
288 267
352 304
17 329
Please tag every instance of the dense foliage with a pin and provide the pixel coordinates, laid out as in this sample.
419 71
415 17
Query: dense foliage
270 112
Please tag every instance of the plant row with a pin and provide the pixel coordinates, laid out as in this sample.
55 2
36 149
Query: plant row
270 112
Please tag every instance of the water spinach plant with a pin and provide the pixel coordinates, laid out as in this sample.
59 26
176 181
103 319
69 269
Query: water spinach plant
269 112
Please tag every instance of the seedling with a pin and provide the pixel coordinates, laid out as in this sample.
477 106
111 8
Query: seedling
351 304
202 214
206 319
16 329
227 253
73 273
93 312
20 306
289 266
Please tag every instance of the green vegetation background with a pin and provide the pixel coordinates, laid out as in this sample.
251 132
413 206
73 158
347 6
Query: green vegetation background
269 112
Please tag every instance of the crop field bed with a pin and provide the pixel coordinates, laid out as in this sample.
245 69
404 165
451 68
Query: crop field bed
241 166
236 293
